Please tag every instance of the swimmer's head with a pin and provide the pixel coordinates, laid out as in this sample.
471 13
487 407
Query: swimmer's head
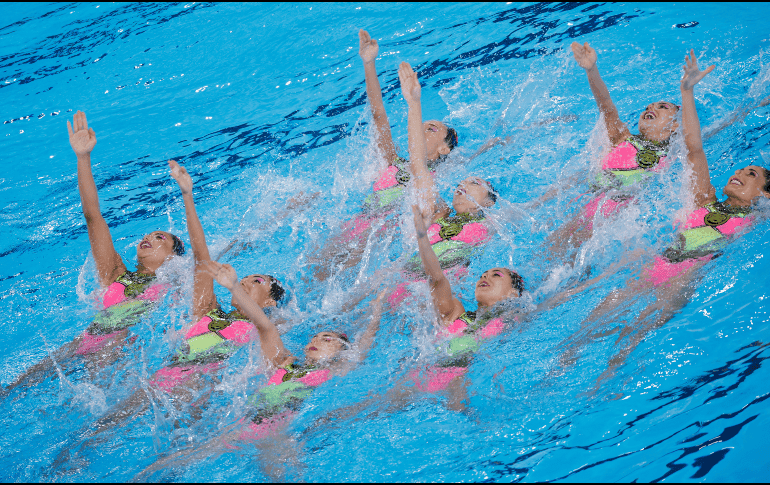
264 290
326 346
498 284
658 121
440 140
157 247
747 184
472 194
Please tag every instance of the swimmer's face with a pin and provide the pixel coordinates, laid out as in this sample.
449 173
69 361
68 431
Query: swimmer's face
658 121
154 249
324 346
435 139
471 193
494 286
257 286
747 184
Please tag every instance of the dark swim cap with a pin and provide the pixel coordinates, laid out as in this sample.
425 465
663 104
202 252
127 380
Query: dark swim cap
451 138
516 281
178 245
278 292
766 188
344 338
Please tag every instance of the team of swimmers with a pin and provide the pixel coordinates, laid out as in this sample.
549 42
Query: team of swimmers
449 236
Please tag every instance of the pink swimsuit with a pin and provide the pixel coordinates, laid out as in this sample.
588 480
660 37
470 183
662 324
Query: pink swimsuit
281 393
705 233
454 240
628 164
207 345
119 312
462 344
387 192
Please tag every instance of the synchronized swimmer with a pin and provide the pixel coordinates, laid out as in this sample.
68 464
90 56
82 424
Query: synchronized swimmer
449 237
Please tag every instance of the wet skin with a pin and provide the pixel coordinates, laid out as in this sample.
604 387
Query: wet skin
257 287
495 285
657 122
470 194
324 346
154 249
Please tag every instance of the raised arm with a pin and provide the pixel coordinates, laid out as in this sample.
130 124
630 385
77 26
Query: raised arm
368 50
423 182
448 306
204 299
109 264
270 341
585 56
375 316
702 189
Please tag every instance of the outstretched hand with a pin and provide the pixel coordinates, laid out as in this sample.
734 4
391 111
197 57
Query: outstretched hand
410 85
585 55
82 138
179 173
223 273
367 47
692 75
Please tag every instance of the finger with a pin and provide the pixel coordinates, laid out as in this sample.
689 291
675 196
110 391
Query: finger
85 122
69 128
709 69
91 132
363 35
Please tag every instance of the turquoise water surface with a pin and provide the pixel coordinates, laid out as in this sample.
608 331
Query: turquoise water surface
261 102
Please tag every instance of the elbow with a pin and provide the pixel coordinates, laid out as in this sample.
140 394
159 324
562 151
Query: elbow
93 217
696 154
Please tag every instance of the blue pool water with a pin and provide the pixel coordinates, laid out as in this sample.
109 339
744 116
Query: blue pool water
261 102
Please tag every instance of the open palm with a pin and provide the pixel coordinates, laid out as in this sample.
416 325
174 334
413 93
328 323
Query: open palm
82 138
692 74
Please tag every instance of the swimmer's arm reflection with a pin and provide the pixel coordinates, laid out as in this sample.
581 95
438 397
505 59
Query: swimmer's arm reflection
366 339
298 203
498 141
739 116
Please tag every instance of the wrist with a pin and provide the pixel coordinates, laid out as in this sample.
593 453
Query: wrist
83 156
236 290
